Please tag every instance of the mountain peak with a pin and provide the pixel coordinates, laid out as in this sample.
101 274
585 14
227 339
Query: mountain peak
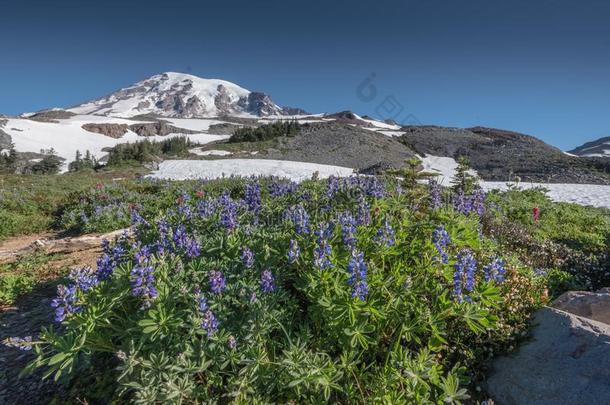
173 94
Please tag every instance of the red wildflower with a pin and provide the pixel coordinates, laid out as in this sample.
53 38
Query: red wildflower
535 213
200 194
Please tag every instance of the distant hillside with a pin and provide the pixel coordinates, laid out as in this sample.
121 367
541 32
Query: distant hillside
499 155
597 148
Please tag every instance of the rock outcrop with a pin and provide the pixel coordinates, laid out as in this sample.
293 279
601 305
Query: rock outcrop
590 305
158 128
112 130
567 361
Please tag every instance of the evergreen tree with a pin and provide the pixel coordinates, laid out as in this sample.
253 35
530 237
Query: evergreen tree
50 164
411 173
463 181
8 161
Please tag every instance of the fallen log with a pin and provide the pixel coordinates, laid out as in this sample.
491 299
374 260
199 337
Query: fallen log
63 245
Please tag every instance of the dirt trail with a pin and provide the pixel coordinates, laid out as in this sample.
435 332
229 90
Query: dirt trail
14 249
32 311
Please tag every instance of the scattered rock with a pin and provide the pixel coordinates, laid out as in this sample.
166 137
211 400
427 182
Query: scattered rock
591 305
566 362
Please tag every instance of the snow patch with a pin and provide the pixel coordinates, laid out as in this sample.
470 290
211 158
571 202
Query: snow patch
444 166
212 169
583 194
211 152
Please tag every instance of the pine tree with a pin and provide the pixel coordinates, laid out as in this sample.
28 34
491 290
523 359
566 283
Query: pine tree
463 181
411 173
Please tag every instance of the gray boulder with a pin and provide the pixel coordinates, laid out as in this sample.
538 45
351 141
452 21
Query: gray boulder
567 361
591 305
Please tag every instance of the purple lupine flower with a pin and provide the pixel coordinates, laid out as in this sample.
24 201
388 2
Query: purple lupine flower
105 266
209 323
253 298
386 235
348 229
65 302
267 281
24 344
142 282
441 239
206 208
478 201
363 215
299 217
84 278
192 248
399 189
494 271
247 257
539 272
323 250
217 282
202 304
357 276
185 210
109 260
434 190
373 187
180 237
228 215
142 256
461 203
463 277
253 197
333 187
137 219
278 189
294 252
232 342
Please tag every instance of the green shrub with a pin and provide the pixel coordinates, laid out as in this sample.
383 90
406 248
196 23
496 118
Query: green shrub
565 236
268 292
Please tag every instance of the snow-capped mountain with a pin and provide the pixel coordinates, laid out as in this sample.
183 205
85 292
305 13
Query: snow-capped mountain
597 148
184 96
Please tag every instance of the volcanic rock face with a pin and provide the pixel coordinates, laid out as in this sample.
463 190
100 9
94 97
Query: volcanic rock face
185 96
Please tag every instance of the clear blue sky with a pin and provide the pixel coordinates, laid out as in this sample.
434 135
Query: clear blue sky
539 67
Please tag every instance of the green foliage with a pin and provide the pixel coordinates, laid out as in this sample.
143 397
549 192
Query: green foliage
87 163
50 164
410 174
568 237
266 132
147 151
310 340
21 277
8 160
32 203
463 181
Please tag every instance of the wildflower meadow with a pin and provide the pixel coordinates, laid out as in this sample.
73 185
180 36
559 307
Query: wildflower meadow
345 290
